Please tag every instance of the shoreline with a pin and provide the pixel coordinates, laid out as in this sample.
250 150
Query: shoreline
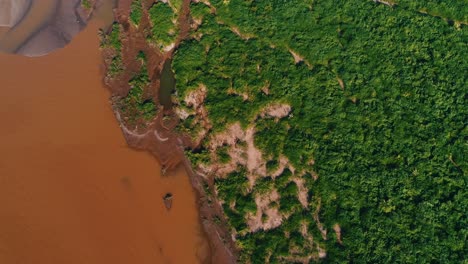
80 195
170 151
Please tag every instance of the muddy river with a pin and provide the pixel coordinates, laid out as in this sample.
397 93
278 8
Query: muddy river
71 191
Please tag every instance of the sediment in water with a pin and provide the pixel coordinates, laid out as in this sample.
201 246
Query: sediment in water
71 190
158 136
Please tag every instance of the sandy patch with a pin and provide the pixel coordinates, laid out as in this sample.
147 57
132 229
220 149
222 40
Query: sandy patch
273 216
241 35
275 110
255 163
250 156
387 3
169 47
195 23
182 113
266 88
298 58
283 164
337 229
340 82
320 226
195 100
197 97
302 194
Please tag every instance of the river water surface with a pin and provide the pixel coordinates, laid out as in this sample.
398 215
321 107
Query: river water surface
167 85
71 191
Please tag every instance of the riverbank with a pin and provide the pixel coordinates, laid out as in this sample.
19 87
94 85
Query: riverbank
128 56
71 190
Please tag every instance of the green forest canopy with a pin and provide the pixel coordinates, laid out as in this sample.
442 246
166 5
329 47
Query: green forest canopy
378 100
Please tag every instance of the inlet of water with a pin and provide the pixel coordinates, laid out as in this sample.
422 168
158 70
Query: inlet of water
167 85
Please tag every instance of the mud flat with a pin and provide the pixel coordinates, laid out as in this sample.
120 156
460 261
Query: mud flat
13 11
38 27
71 191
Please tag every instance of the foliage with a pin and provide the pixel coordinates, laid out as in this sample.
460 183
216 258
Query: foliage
452 10
136 12
135 105
379 104
86 4
112 41
199 157
116 66
223 154
163 31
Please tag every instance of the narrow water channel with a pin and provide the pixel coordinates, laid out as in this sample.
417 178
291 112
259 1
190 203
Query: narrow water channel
168 84
71 191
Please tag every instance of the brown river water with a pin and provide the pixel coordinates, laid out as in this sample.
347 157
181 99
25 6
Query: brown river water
71 191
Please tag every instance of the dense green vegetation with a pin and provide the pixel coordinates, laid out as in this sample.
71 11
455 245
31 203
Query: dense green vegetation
176 5
378 95
164 30
136 12
451 10
135 106
112 41
379 103
271 245
86 4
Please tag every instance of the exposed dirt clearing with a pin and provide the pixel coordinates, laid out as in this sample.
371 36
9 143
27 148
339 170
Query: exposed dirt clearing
387 3
320 226
241 35
298 58
275 110
337 229
274 218
340 82
195 100
256 165
302 194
